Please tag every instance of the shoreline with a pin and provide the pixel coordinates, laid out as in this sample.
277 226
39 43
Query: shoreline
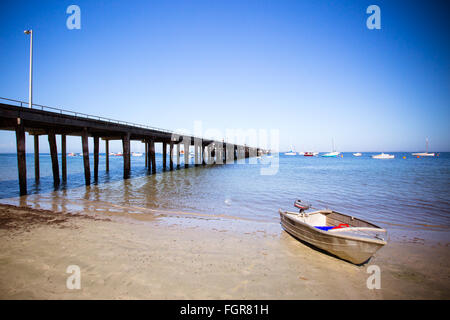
196 258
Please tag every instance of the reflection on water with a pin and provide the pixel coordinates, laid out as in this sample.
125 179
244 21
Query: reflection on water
397 194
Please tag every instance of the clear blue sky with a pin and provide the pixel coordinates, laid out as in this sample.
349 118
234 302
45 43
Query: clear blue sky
308 68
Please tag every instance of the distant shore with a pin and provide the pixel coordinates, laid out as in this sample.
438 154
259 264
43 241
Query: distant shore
131 259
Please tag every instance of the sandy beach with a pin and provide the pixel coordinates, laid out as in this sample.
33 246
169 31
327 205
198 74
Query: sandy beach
197 258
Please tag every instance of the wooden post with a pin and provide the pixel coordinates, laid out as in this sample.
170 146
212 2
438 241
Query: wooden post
196 157
186 153
107 154
126 155
21 156
164 155
152 154
209 153
203 154
54 156
63 158
96 155
213 153
148 156
146 153
178 155
36 158
224 147
171 155
87 169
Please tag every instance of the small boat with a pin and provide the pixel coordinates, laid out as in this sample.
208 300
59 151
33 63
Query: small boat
119 154
290 152
333 153
72 154
112 154
357 154
424 154
136 154
346 237
383 156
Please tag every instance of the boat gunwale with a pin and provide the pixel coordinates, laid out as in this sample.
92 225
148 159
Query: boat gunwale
326 233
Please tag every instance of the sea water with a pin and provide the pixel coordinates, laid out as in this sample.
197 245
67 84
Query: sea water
406 194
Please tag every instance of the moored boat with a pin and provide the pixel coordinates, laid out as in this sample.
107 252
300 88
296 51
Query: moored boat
309 154
291 152
331 154
383 156
357 154
349 238
426 153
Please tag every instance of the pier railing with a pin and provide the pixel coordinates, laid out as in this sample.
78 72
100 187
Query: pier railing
24 104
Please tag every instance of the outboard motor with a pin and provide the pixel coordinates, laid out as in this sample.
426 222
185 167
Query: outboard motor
301 205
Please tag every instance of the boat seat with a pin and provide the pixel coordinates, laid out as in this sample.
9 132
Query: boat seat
326 228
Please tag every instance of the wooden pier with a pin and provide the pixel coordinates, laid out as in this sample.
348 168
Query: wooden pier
42 120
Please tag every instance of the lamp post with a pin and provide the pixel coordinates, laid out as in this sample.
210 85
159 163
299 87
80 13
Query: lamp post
30 88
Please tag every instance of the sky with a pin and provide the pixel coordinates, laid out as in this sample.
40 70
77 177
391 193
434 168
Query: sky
310 69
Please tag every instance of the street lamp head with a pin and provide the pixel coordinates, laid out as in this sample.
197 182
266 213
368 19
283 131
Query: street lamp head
27 31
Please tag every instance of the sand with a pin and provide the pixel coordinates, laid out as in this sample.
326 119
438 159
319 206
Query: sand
196 258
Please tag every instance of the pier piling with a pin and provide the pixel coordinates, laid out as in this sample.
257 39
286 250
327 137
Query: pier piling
21 156
36 158
126 155
178 155
63 158
186 153
54 157
85 146
171 155
146 153
153 156
107 154
96 156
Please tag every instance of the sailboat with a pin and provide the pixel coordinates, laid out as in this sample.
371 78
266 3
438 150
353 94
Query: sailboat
357 154
290 152
333 153
424 154
383 156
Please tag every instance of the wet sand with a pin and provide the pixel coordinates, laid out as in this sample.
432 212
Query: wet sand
196 258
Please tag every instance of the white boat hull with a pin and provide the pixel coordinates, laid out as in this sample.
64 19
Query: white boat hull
424 154
383 156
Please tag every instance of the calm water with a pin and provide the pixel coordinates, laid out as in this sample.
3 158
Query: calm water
399 194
